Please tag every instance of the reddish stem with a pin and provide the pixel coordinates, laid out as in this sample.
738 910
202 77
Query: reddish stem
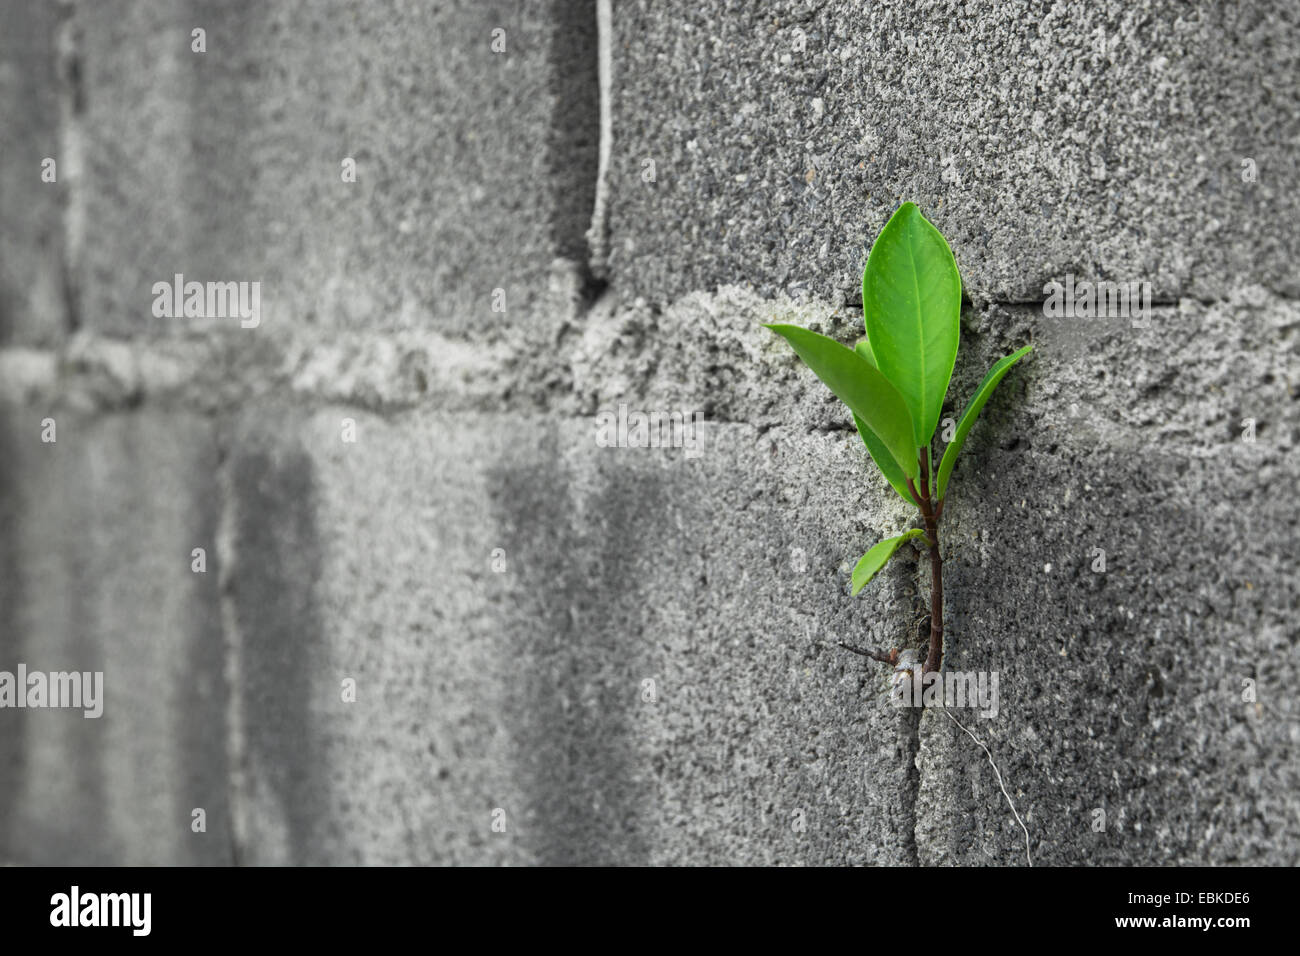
931 516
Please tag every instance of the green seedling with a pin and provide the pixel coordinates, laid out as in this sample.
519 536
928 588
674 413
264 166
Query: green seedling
895 380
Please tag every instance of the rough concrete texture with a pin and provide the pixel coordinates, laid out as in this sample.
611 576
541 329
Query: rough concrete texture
98 530
1105 139
500 586
227 165
515 678
1123 688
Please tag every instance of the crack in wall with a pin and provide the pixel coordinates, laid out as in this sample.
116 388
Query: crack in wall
577 142
911 722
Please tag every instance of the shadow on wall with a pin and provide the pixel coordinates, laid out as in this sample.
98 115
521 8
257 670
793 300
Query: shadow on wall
576 631
574 136
279 631
13 586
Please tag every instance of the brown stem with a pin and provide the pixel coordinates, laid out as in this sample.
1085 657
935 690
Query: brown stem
912 488
931 516
890 658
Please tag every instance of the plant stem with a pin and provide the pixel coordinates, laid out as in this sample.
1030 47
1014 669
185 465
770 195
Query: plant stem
931 513
873 654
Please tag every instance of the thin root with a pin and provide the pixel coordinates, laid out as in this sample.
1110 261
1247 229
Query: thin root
1028 858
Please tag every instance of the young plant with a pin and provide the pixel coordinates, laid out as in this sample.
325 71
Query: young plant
894 382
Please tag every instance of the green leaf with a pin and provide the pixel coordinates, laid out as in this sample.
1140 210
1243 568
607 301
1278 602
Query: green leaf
875 559
876 448
858 385
863 348
972 412
911 306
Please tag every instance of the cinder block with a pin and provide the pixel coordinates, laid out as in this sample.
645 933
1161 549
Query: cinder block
1101 139
1118 552
99 530
501 589
33 302
474 169
1119 688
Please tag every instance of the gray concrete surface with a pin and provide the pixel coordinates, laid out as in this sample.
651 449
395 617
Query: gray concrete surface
522 688
1105 139
227 165
499 585
99 527
33 274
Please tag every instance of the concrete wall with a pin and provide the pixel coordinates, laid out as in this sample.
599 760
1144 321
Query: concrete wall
498 585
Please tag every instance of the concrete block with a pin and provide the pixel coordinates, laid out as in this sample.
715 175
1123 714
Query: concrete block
33 293
99 528
475 169
1119 553
1107 140
523 689
1120 688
